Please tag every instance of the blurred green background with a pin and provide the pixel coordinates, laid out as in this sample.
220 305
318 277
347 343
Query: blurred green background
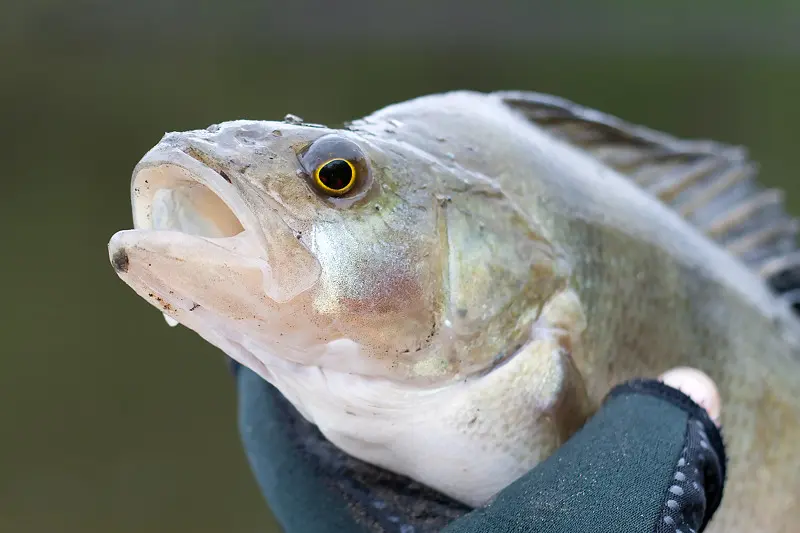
110 420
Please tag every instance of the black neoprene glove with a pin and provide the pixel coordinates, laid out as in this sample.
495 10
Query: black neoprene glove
650 461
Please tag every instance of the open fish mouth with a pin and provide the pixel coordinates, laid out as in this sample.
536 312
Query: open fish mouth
177 198
191 227
174 191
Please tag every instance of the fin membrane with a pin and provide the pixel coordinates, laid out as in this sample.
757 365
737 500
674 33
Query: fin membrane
712 185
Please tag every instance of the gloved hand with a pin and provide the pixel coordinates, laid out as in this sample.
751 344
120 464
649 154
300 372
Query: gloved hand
651 460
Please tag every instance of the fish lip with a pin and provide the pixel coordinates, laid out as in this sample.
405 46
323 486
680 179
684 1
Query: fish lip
142 192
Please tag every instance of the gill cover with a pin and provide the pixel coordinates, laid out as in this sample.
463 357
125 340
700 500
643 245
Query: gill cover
500 271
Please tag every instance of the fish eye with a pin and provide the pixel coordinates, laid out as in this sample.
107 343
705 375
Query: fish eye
335 176
336 169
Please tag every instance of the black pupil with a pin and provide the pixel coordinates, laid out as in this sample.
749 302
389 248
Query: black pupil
336 174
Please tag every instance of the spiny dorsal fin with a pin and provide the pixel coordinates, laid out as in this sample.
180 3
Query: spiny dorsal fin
712 185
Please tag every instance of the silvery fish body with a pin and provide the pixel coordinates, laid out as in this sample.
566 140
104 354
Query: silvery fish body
448 287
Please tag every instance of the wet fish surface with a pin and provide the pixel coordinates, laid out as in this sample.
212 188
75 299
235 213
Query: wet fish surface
448 287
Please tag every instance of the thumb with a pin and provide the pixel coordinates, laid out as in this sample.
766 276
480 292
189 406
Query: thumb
696 385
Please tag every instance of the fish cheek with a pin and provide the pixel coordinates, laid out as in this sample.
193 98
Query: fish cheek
376 294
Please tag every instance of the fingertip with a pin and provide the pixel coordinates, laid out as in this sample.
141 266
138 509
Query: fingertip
698 386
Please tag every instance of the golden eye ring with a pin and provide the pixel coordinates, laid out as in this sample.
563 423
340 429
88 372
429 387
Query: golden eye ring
335 177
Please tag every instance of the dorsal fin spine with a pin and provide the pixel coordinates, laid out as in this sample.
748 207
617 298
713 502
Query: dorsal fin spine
712 185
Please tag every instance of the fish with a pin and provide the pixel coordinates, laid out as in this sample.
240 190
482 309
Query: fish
448 287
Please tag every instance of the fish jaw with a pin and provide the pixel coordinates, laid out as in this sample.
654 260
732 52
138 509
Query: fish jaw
178 274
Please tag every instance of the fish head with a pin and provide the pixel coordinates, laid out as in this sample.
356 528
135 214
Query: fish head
286 243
